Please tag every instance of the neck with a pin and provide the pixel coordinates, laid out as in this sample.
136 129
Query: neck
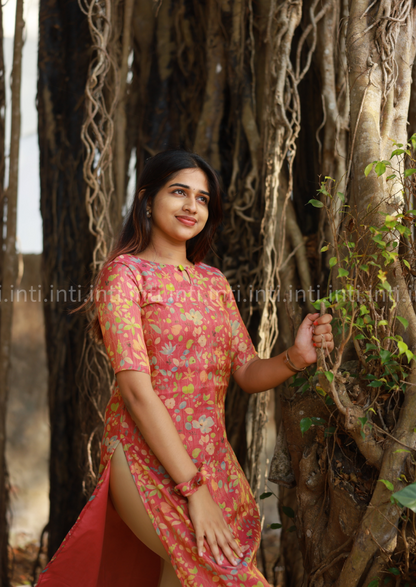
161 252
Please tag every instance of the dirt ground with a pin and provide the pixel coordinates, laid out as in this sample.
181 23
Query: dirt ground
22 563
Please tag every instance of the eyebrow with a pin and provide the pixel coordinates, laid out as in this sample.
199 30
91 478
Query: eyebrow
181 185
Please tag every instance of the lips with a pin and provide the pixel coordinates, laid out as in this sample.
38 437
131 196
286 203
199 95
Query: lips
187 220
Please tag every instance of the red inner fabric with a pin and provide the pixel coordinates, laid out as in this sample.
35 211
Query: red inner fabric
101 551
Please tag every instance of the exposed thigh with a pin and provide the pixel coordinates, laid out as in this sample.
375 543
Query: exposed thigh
129 505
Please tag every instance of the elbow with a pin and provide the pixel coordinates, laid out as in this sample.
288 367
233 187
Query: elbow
246 376
136 395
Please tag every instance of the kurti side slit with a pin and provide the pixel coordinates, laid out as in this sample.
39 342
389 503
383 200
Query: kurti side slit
189 337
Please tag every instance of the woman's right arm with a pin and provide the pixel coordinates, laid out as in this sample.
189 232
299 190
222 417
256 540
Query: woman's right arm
157 428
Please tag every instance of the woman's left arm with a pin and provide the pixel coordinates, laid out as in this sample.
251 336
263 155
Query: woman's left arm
262 374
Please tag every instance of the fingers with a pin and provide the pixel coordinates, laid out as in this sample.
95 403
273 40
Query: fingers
221 542
213 545
321 339
324 319
312 317
227 550
200 543
230 547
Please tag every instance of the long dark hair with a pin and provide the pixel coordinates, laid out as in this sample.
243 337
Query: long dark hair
135 234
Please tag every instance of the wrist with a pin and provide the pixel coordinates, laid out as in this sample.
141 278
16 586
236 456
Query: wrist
188 488
198 494
296 358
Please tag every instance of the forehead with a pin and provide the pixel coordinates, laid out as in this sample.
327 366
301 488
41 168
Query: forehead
195 178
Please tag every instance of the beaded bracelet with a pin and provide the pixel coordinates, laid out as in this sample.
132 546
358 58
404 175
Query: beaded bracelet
187 488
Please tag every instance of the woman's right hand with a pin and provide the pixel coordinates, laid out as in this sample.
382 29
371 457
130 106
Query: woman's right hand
209 524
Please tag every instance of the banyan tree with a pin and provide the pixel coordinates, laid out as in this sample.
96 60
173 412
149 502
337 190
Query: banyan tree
278 95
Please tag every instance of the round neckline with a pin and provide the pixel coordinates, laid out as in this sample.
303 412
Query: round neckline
185 267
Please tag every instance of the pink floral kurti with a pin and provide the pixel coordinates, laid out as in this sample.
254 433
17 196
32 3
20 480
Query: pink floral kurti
190 338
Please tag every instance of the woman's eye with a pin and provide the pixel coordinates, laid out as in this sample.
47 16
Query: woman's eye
178 191
204 199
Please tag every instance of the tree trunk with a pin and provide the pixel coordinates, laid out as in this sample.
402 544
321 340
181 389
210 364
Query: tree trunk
64 48
8 268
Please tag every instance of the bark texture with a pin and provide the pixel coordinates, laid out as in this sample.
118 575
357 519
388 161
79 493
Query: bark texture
67 255
8 264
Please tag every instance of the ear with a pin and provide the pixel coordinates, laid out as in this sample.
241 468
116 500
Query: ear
141 193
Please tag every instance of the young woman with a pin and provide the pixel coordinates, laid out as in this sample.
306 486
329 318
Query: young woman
172 506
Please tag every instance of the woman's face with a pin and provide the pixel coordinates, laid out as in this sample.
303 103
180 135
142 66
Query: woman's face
180 209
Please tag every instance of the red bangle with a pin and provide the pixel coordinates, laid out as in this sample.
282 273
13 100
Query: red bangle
187 488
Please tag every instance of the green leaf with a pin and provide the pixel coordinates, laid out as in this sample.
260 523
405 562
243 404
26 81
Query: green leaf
329 431
397 152
288 511
341 196
364 268
394 571
342 273
330 376
402 347
332 262
407 497
325 248
359 337
368 168
388 484
363 421
316 203
305 424
383 323
374 583
403 321
275 526
266 494
408 172
380 168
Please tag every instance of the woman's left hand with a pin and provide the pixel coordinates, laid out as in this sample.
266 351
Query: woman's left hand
314 332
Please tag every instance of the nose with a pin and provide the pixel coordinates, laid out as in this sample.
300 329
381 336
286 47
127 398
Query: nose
189 204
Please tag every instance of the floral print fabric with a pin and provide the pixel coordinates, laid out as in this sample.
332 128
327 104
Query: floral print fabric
189 337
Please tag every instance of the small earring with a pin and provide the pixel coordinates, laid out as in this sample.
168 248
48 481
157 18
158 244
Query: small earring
148 213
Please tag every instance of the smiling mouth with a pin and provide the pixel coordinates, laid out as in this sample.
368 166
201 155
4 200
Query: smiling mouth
186 221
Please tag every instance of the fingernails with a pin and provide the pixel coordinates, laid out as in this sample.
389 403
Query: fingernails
314 343
316 322
200 553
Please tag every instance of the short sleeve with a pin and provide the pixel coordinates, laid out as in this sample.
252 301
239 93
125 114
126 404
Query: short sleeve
117 299
242 347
